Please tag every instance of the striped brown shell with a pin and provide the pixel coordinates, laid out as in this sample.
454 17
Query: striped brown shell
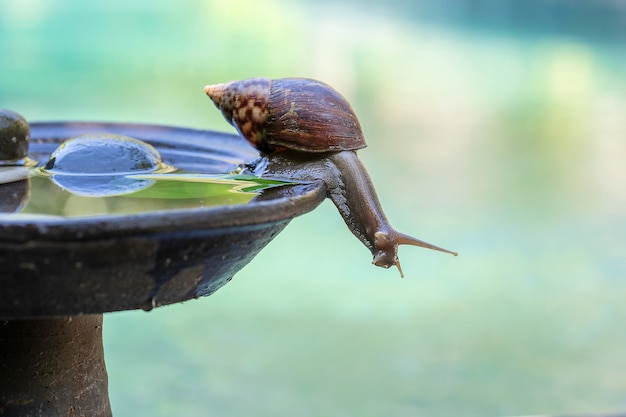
289 113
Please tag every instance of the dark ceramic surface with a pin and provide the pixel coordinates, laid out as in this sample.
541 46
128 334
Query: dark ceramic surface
89 265
53 368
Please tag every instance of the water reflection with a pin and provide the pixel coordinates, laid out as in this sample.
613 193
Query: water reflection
90 196
96 174
14 195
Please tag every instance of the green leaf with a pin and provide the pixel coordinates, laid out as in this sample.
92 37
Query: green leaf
194 186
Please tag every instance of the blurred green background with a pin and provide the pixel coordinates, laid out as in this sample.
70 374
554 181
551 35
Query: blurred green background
495 128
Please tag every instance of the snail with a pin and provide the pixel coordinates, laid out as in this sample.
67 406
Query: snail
307 131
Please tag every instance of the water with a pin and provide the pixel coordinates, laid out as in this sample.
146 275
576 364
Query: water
155 192
99 174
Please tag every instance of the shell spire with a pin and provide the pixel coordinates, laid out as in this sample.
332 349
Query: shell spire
215 92
244 104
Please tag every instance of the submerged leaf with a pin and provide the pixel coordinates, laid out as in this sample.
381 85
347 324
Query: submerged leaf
185 186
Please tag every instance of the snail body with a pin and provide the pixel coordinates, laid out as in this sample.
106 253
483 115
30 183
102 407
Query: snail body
307 131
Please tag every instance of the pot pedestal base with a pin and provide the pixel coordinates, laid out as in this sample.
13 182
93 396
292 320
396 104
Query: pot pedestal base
53 367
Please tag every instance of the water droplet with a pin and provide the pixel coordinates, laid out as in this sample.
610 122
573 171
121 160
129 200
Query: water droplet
149 305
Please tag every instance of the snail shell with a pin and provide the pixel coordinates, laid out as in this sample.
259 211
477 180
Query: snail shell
291 113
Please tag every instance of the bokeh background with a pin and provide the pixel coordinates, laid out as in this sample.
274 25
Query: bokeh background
495 127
